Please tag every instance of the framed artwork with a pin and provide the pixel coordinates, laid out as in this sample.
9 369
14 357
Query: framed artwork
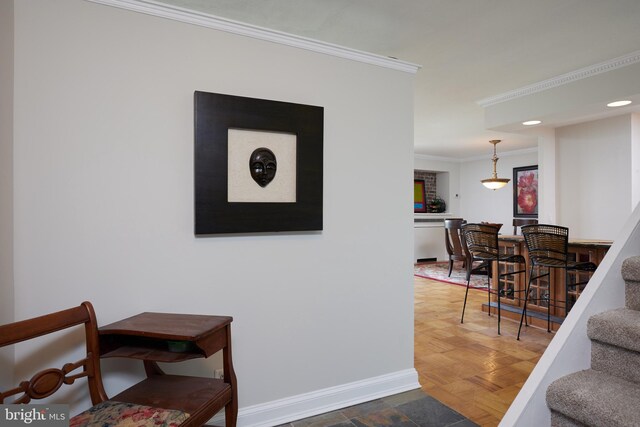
258 165
525 192
419 198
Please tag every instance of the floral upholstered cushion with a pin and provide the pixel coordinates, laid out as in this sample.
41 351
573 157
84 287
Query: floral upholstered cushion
110 413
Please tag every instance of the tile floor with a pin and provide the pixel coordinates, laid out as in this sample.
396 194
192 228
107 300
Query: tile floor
410 409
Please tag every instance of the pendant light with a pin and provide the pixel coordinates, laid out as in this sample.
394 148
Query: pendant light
494 182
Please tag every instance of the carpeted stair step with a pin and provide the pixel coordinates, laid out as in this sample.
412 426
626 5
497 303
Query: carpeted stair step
615 346
595 399
631 275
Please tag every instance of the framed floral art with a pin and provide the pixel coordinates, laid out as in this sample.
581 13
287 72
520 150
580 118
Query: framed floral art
525 192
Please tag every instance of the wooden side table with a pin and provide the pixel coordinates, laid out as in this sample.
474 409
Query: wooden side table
168 337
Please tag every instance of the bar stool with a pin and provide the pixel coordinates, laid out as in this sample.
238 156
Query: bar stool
482 242
548 248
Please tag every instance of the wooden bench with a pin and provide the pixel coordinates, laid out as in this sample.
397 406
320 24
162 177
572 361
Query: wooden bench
159 399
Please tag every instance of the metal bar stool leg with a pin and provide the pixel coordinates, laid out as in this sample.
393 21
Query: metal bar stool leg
526 297
550 296
566 292
488 294
465 301
498 294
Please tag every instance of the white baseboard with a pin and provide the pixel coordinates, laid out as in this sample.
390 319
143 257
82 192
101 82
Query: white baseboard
329 399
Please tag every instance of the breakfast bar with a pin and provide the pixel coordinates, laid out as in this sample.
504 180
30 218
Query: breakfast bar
514 286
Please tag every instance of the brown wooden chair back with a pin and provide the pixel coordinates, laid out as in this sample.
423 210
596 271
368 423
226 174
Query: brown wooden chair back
48 381
519 222
496 225
454 243
454 240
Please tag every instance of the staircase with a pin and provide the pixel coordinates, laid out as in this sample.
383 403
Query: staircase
608 394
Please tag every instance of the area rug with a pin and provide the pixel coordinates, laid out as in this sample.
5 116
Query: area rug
440 271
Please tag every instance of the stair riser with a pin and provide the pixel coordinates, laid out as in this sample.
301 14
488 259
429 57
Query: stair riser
560 420
632 295
615 361
631 274
631 269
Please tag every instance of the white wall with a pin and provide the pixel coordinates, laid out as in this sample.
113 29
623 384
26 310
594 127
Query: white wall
588 160
478 203
548 194
594 162
635 159
452 167
104 195
429 237
6 182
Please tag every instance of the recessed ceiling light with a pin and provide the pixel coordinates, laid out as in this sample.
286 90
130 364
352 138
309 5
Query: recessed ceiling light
618 103
532 122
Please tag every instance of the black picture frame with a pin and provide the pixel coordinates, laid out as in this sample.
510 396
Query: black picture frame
525 192
214 115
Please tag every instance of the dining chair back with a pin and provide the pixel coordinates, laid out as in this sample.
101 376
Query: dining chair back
519 222
454 242
493 224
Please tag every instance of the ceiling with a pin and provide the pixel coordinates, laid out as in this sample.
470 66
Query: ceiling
468 49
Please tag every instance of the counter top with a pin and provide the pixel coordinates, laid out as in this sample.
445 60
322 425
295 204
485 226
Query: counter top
572 241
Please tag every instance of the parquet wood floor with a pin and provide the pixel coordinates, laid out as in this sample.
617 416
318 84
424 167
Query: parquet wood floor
469 367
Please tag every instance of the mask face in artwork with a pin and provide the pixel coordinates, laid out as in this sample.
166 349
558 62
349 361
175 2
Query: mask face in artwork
263 165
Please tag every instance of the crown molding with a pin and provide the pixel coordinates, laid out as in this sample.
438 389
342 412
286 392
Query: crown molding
179 14
583 73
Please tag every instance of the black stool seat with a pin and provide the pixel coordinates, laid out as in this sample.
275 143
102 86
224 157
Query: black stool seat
570 265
